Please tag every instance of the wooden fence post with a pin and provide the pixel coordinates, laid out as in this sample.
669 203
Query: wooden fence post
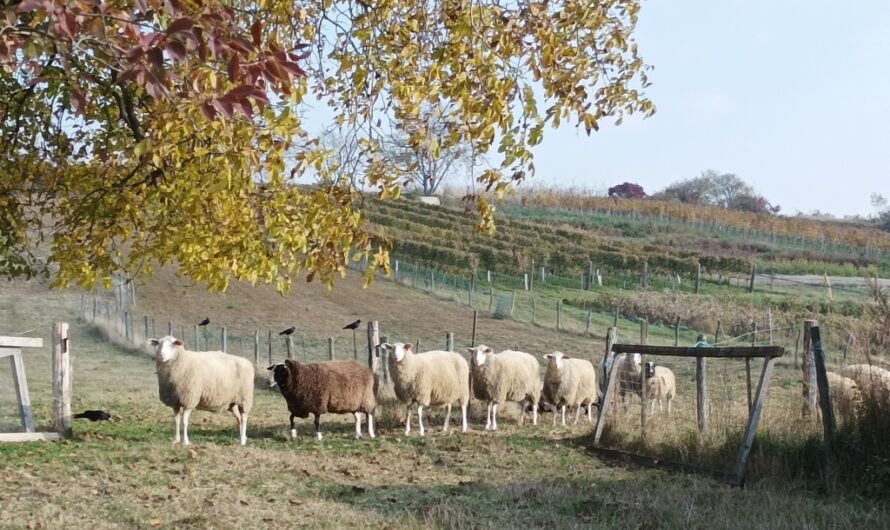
558 314
61 380
270 347
808 365
697 277
828 421
753 274
513 303
256 348
373 342
145 322
587 326
197 343
414 277
525 281
701 393
331 347
396 272
449 341
289 344
128 332
224 338
748 366
677 332
490 298
169 327
475 319
644 390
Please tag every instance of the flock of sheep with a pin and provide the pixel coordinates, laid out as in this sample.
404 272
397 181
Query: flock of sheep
216 381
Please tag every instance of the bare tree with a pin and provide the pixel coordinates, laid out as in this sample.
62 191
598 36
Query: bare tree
346 159
432 159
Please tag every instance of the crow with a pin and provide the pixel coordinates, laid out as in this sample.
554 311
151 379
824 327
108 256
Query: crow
94 415
288 331
353 325
204 322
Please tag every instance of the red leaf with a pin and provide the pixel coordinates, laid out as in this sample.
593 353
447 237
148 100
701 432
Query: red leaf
180 25
245 107
242 45
223 106
127 75
234 67
148 39
176 50
293 68
208 111
256 32
78 100
135 52
156 58
28 5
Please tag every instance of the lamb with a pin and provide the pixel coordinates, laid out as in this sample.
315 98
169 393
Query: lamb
661 386
845 395
327 387
873 381
570 382
629 372
427 379
211 380
506 376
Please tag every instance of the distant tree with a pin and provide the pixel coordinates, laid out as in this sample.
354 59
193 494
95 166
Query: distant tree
726 190
627 190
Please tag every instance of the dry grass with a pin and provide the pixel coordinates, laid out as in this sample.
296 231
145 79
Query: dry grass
125 473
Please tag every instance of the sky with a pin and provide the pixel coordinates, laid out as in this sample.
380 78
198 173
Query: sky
793 96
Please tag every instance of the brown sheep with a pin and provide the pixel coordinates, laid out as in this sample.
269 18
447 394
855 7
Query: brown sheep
337 387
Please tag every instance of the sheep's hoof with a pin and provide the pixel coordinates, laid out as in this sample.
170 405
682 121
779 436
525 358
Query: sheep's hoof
372 435
293 434
318 436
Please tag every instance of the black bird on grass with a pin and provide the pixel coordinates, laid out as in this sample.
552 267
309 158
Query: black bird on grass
94 415
204 322
289 331
353 325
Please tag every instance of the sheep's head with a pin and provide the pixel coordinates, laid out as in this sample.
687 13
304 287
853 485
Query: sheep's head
165 348
397 350
650 369
479 354
279 374
556 359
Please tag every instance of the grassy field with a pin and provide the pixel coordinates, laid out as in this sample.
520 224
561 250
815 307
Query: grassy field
126 474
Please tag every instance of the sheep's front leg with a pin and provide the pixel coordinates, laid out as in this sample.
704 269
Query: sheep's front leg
318 426
577 413
358 424
370 424
447 417
177 417
488 417
185 426
293 427
243 428
563 415
463 413
494 416
590 412
408 421
420 418
534 412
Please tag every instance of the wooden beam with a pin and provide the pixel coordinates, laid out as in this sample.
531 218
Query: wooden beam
21 390
828 423
751 429
605 404
61 380
21 342
733 351
29 437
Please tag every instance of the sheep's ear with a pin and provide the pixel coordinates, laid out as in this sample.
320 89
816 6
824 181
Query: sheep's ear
564 356
177 342
547 355
386 346
152 342
408 346
272 367
471 350
488 350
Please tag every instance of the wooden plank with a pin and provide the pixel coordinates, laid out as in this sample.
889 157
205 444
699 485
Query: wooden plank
730 351
808 365
21 391
373 342
61 380
751 429
21 342
29 437
605 404
475 319
701 395
828 421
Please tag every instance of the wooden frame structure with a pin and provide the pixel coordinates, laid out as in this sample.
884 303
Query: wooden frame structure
11 347
769 354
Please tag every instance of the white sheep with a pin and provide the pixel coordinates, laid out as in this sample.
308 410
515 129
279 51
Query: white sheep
570 382
506 376
426 379
661 386
628 372
873 381
845 395
210 380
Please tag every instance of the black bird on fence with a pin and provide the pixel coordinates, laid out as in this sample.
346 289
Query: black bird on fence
94 415
289 331
353 325
204 322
